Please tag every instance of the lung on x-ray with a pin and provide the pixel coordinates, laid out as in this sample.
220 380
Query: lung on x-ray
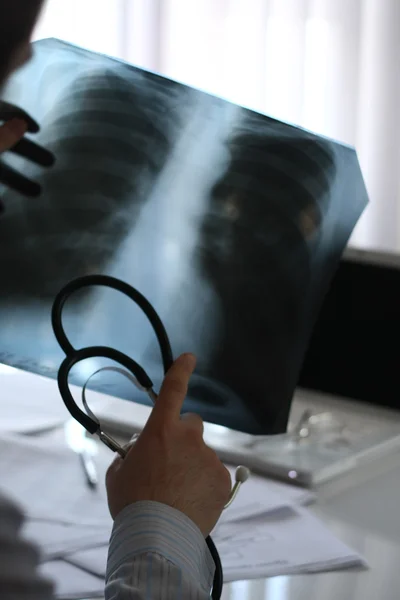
231 223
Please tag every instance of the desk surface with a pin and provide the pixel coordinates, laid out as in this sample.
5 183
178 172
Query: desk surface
363 510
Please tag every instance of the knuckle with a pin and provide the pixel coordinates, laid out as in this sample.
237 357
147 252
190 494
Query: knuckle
189 416
192 437
198 420
193 422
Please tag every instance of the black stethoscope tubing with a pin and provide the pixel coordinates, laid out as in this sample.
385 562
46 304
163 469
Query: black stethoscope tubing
74 356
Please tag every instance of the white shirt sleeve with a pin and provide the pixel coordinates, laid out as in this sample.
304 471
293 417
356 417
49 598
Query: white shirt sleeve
157 553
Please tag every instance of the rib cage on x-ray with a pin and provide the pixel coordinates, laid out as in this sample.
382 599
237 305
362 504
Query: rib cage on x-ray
231 224
258 236
111 136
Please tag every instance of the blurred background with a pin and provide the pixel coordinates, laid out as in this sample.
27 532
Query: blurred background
331 66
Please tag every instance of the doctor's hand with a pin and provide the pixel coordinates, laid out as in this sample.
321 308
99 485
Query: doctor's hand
170 463
11 133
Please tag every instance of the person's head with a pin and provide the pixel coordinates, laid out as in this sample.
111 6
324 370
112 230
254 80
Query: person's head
17 20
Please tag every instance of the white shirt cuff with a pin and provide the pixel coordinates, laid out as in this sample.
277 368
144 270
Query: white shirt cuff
152 527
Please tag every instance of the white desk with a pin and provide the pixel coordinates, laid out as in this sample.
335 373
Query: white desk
363 508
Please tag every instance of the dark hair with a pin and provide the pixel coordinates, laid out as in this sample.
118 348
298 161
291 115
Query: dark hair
17 20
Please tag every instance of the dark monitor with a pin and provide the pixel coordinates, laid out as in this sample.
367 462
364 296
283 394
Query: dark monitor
354 350
231 223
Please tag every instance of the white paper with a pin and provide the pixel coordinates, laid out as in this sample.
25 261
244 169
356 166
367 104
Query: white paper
290 541
64 515
48 481
287 542
29 403
71 582
93 560
259 495
55 540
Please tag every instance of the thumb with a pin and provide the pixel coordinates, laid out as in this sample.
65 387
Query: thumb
173 390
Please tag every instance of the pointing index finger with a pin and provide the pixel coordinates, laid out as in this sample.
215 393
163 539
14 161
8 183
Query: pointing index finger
174 390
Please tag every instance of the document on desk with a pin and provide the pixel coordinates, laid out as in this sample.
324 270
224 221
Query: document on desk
93 560
286 542
72 583
57 540
266 532
48 481
65 516
290 541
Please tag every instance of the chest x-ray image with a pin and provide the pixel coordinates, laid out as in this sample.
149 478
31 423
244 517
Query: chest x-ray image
231 224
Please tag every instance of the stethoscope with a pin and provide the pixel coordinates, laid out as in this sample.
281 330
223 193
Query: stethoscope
132 370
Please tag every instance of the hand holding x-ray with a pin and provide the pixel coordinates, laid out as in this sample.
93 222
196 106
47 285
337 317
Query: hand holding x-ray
17 122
